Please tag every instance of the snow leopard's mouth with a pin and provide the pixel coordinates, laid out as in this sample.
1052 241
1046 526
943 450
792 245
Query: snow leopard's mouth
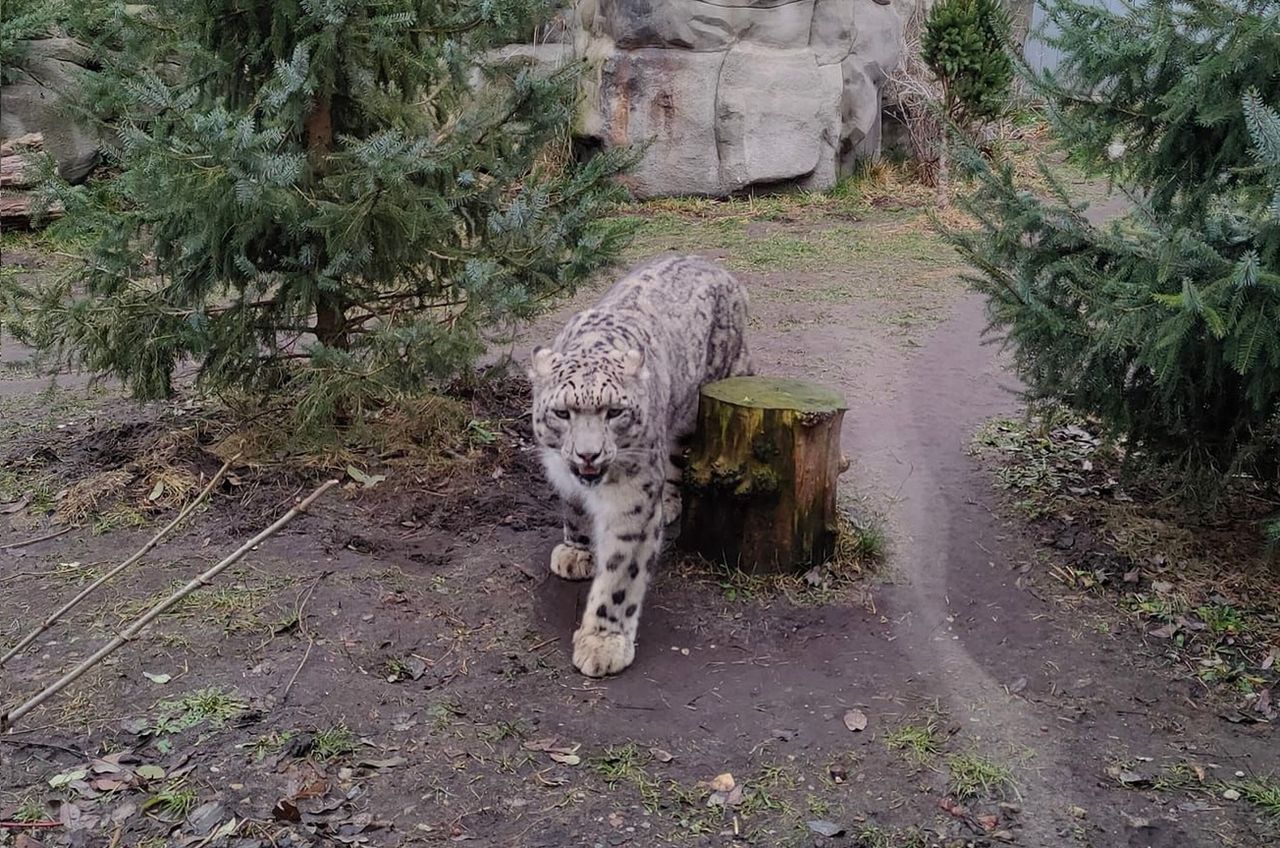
589 474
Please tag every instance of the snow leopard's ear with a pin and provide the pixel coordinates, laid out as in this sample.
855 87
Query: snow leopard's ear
633 364
542 363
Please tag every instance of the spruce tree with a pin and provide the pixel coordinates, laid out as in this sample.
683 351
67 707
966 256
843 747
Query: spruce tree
1165 322
965 44
322 202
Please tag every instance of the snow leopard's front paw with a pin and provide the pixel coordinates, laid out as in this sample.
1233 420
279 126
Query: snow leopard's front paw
572 562
597 653
671 504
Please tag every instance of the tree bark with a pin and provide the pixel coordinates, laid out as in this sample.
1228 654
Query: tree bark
760 485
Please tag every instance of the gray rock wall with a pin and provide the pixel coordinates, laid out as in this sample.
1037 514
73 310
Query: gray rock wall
49 69
729 94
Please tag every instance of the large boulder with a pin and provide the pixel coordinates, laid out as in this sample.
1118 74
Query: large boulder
724 95
32 103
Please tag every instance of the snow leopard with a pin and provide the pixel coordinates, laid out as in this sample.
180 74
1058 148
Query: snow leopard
615 397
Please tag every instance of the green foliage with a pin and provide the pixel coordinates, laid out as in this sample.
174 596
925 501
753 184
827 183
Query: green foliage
1164 79
965 44
325 202
1164 323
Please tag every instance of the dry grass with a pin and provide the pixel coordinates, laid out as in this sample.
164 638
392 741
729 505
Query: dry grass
92 495
426 430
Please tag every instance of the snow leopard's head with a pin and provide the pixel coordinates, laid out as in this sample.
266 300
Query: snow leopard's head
587 407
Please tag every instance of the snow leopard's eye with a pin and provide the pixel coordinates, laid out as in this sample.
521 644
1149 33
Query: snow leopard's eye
614 412
562 414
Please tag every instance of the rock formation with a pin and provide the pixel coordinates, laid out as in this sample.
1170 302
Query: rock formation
730 94
31 103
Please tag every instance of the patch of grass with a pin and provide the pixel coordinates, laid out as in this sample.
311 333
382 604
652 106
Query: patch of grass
974 776
212 705
31 810
117 518
269 744
237 606
503 730
626 764
173 801
15 486
333 742
874 836
1263 793
620 764
918 743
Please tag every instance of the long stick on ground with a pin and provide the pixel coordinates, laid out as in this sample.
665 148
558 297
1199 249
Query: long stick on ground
8 719
143 551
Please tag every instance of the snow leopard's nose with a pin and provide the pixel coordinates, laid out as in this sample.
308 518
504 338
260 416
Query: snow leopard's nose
588 459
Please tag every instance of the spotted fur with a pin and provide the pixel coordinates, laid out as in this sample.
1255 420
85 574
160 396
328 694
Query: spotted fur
613 398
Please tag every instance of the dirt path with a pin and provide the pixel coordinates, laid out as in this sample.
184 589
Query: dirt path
432 673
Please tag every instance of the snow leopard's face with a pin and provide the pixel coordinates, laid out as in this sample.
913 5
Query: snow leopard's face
588 409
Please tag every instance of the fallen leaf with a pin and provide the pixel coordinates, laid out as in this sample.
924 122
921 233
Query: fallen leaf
205 817
1231 794
108 784
825 828
389 762
722 783
1127 777
149 772
855 720
67 777
949 806
158 679
988 821
1017 686
1133 576
1166 632
136 726
547 744
368 481
661 755
1161 587
566 759
157 491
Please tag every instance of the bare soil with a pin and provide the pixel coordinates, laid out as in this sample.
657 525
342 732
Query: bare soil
393 669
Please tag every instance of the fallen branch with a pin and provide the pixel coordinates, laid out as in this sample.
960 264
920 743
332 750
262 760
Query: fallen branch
12 545
143 551
8 719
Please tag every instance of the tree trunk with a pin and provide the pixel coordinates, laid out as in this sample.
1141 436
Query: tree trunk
760 486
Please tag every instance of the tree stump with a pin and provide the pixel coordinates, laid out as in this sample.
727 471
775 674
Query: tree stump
760 483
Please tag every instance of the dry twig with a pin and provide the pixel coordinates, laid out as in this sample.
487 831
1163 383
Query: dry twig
8 719
302 627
